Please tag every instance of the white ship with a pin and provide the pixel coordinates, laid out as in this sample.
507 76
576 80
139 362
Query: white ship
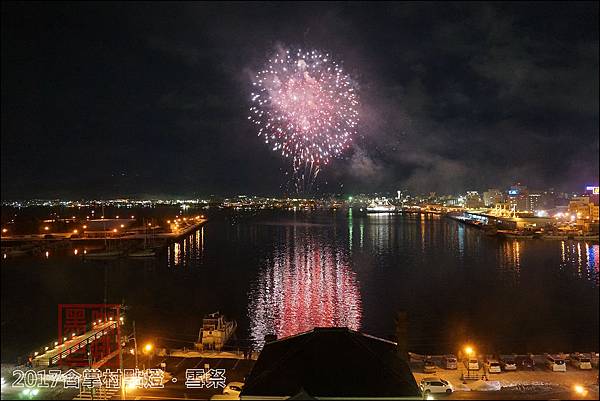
380 206
215 332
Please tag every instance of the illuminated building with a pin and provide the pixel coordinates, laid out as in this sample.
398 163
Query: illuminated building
492 197
473 200
517 197
534 202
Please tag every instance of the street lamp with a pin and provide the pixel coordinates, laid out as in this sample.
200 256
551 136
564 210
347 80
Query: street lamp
580 390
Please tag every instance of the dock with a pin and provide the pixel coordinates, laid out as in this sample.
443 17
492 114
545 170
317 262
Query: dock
52 356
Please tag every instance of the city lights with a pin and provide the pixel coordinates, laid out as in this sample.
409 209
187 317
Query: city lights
334 200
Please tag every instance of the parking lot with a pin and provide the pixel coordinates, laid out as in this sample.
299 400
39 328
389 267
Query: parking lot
235 370
538 383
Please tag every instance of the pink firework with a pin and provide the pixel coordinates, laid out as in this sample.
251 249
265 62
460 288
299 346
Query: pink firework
305 106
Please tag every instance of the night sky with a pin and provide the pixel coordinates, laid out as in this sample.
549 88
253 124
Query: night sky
152 99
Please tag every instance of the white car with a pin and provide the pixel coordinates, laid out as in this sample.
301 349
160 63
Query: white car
493 366
472 364
436 385
581 361
556 363
508 364
233 388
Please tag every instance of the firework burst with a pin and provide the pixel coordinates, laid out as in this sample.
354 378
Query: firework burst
305 107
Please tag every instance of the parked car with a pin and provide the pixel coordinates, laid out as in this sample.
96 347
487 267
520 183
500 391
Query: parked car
449 362
233 388
556 363
508 363
525 362
429 366
472 364
436 385
493 366
581 361
594 359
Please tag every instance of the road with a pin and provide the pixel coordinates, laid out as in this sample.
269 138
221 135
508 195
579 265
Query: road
235 370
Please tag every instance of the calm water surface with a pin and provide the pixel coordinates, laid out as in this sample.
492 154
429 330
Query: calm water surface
285 273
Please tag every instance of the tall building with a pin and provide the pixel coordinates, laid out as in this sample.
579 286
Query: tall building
473 200
534 202
517 197
492 196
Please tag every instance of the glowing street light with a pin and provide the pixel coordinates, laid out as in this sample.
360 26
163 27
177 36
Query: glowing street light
46 228
148 347
75 231
84 227
4 230
580 390
469 350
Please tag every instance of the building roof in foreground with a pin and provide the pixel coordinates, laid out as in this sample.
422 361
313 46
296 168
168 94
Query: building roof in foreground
331 362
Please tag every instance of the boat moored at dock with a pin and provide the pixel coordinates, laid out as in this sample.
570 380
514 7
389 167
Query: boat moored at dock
215 332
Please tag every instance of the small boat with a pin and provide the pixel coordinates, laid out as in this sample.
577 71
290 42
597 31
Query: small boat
143 253
146 251
554 236
104 254
215 332
515 234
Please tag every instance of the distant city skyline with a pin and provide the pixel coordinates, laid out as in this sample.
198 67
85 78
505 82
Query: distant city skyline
152 99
